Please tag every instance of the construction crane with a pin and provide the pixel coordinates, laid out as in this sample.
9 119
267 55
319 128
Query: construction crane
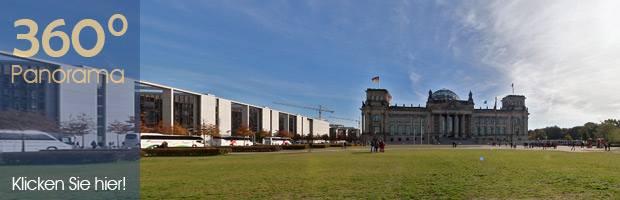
355 120
320 109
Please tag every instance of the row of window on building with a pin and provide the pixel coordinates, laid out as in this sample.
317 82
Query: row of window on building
489 130
398 130
482 120
376 98
377 118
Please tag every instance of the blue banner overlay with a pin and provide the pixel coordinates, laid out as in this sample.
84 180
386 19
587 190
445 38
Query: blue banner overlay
69 122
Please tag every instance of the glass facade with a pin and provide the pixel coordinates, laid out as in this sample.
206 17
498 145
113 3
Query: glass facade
20 95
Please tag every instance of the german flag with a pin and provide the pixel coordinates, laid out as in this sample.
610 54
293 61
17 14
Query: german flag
375 79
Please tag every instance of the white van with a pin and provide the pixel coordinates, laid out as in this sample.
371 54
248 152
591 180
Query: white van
11 141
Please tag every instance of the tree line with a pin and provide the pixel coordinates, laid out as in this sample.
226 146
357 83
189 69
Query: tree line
608 129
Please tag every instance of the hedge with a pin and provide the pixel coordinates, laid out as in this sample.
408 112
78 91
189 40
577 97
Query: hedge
184 151
57 157
296 147
120 154
259 148
320 145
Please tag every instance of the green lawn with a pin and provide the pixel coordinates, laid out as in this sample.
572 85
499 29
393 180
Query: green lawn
118 170
397 174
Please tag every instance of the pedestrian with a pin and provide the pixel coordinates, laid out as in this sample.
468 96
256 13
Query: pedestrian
607 147
372 146
382 147
555 145
376 146
93 144
573 147
310 149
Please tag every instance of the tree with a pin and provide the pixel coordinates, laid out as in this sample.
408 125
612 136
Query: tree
325 137
608 131
352 138
568 137
339 137
161 127
588 130
532 134
541 134
207 129
143 128
262 134
308 137
119 128
178 129
296 137
244 130
285 134
26 120
81 125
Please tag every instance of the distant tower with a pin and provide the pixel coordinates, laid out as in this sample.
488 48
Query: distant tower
374 110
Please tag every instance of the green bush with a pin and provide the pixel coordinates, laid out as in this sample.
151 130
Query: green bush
184 151
259 148
296 147
57 157
320 145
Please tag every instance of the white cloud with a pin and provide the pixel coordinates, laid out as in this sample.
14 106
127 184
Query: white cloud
564 56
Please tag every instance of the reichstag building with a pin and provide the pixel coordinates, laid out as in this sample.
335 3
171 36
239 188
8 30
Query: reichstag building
445 119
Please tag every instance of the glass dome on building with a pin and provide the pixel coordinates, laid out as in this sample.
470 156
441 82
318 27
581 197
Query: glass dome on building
444 95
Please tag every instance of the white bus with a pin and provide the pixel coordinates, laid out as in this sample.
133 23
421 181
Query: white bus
231 141
132 140
11 141
154 140
277 141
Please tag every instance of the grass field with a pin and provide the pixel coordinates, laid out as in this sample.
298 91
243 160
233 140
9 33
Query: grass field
118 170
396 174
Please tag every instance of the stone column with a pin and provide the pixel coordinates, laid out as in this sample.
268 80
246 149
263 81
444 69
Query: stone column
452 125
461 125
453 121
455 132
444 125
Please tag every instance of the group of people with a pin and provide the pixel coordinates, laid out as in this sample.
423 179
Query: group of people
513 145
607 146
375 145
101 145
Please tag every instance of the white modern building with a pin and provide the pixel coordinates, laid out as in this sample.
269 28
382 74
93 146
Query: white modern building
103 102
106 102
191 109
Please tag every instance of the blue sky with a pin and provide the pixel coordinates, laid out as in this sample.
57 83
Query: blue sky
117 53
563 56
